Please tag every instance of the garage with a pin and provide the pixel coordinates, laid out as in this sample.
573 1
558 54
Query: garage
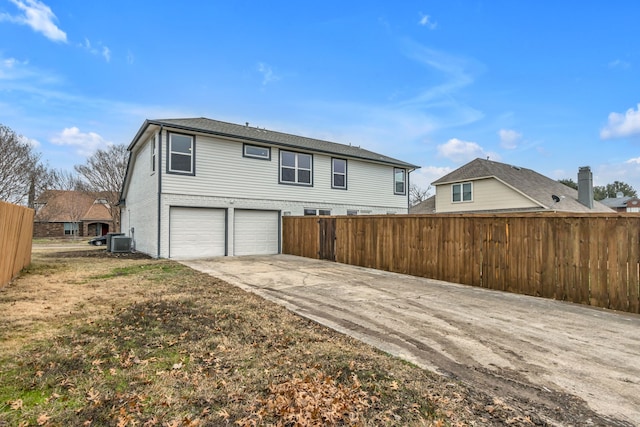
197 232
256 232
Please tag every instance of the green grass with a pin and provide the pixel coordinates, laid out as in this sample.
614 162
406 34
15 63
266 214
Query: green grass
155 271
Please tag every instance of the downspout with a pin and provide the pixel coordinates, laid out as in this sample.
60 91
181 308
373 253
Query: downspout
408 187
159 166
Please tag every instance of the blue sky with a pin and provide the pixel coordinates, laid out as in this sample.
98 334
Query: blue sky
545 85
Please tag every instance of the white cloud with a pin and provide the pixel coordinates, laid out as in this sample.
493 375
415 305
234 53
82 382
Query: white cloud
425 21
627 171
102 50
618 63
509 139
424 176
268 76
634 161
85 143
463 151
622 125
130 58
39 17
106 52
32 142
440 98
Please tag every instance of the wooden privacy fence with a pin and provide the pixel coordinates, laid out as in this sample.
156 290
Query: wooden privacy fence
16 231
591 259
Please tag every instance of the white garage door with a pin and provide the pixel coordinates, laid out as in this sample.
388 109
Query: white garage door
196 232
255 232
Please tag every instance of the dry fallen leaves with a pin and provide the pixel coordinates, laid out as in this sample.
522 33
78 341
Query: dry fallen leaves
43 419
16 404
313 400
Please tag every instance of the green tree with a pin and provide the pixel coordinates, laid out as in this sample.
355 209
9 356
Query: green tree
569 183
610 190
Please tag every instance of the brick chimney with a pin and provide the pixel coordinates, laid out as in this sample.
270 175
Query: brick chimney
585 186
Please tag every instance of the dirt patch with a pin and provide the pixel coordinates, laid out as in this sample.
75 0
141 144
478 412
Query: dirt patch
96 253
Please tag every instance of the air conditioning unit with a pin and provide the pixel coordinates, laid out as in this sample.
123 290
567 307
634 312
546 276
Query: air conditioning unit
110 236
120 244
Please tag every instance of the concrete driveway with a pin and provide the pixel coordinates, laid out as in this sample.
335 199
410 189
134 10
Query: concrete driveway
515 348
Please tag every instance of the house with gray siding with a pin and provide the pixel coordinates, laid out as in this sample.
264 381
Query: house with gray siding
199 187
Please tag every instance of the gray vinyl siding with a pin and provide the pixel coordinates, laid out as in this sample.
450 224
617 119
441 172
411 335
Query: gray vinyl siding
223 172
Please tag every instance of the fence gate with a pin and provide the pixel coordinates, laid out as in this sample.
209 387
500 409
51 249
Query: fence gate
327 238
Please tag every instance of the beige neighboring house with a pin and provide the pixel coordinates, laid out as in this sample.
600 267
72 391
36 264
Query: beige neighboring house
488 186
62 213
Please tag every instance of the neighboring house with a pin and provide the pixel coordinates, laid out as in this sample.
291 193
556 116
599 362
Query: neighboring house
488 186
427 206
200 187
622 203
71 213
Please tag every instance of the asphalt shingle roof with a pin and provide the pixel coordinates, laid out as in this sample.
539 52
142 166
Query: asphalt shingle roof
529 182
70 206
616 202
249 133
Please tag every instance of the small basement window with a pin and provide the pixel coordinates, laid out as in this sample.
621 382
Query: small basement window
257 152
311 211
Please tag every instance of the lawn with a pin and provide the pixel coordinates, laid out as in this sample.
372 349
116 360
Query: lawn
90 338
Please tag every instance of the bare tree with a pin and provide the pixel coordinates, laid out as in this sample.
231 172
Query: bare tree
103 175
21 172
418 194
64 180
64 198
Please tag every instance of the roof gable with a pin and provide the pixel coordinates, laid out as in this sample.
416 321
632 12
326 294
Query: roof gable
530 183
248 133
70 206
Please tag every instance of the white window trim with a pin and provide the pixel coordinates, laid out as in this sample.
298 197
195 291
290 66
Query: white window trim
154 154
404 182
316 211
296 169
192 156
461 184
73 228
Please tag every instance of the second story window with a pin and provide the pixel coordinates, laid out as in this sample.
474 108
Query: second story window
339 173
399 181
256 152
462 192
181 153
296 168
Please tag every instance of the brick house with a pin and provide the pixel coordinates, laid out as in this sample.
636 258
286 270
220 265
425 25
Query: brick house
62 213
